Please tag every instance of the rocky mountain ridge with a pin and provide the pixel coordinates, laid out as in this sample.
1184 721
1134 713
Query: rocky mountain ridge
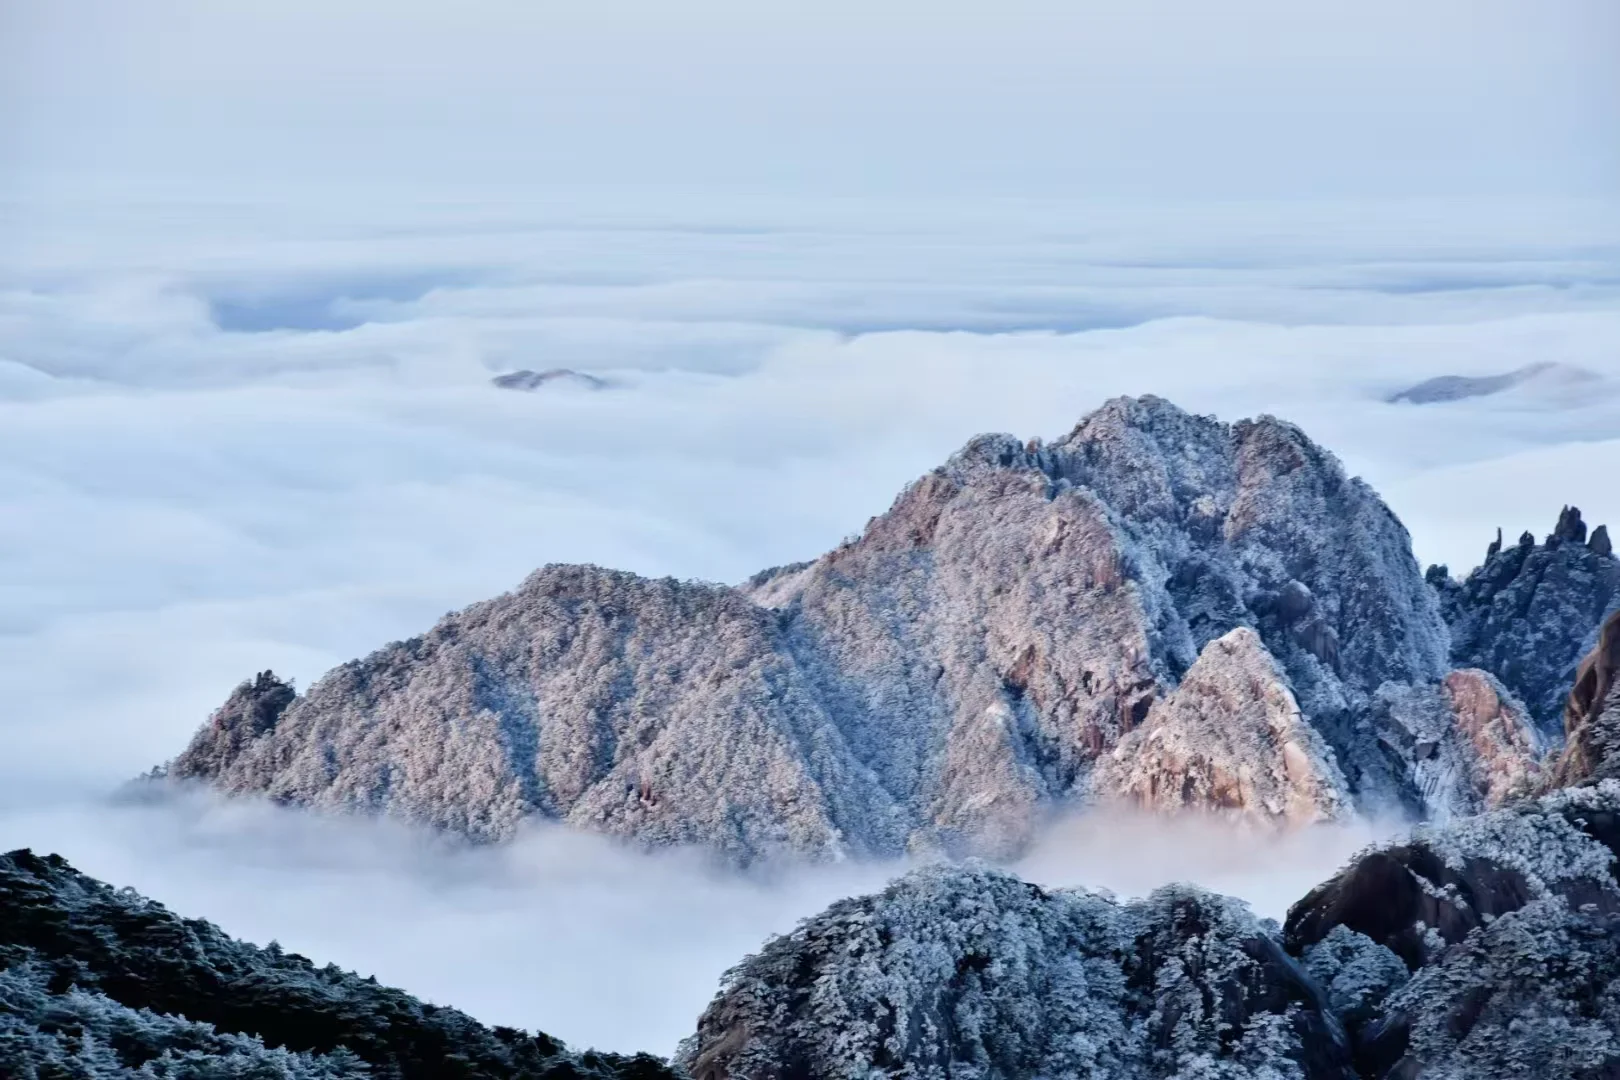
980 653
1530 611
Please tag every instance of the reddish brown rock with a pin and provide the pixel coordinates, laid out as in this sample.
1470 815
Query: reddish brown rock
1231 740
1592 713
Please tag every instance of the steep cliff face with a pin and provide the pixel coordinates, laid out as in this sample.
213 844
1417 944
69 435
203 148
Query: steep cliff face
100 982
1592 714
933 683
956 972
1530 611
1466 743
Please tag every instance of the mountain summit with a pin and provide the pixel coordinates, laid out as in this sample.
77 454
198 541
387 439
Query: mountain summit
938 682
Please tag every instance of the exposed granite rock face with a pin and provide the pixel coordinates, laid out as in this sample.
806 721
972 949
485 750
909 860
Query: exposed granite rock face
1467 743
933 683
1229 738
1530 611
101 982
957 972
1509 924
1592 714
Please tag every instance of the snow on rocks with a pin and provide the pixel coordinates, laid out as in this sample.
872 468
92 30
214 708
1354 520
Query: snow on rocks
938 682
1230 739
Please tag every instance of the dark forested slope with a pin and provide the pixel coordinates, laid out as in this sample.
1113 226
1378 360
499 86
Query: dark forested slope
102 982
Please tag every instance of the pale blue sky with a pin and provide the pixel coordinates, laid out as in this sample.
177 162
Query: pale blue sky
1247 97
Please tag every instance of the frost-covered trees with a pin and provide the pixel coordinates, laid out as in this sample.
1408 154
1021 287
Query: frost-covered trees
933 683
100 982
1488 949
964 973
1485 949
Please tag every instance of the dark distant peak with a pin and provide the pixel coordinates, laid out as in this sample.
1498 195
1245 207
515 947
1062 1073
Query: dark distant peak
1570 527
534 380
1445 388
1599 541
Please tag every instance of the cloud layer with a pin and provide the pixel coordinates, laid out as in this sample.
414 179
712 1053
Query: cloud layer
564 932
237 436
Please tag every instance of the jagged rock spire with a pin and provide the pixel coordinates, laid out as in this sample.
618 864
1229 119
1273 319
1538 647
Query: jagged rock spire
1528 613
1570 527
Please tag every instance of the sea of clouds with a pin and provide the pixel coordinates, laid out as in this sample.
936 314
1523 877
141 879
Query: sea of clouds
240 435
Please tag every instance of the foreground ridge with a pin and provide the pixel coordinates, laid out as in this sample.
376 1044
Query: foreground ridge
1487 949
101 982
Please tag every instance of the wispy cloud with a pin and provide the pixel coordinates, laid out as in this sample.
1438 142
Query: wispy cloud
591 942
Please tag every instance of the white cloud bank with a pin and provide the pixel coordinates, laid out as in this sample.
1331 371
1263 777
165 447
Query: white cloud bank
563 932
237 437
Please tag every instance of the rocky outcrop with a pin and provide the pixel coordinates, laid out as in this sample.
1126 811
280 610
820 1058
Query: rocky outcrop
1230 738
1489 948
1592 714
1531 611
1466 742
101 982
959 972
934 683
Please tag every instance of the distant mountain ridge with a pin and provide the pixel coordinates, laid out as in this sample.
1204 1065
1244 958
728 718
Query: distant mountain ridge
939 682
1549 376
